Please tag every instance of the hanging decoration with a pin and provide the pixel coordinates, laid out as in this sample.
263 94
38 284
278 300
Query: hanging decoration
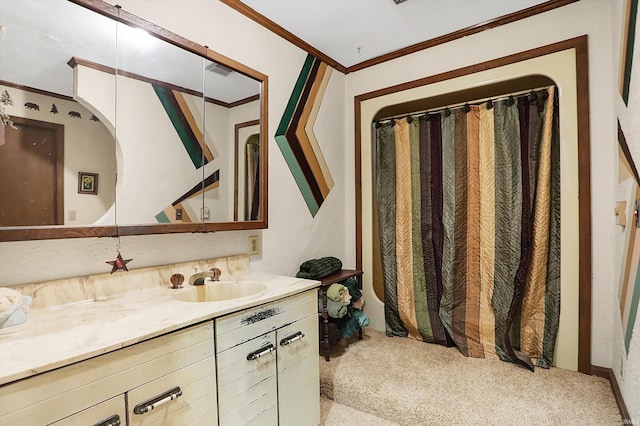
54 109
119 264
75 114
31 105
5 98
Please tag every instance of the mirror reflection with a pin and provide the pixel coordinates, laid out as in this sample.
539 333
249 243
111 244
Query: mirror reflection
247 176
149 125
55 138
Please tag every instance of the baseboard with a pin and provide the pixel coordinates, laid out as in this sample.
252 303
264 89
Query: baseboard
608 374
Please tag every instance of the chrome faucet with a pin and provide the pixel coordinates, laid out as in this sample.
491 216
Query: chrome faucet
200 277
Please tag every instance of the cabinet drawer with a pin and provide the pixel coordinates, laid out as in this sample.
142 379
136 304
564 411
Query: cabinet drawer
247 389
99 414
299 374
153 403
234 329
60 393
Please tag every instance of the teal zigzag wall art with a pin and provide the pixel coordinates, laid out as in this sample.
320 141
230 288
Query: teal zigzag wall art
295 136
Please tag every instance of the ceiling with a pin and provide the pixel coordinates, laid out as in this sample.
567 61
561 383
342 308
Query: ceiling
39 37
35 44
354 31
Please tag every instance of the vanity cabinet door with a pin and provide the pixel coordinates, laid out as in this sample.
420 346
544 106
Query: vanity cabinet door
268 370
178 398
111 412
247 385
299 373
61 393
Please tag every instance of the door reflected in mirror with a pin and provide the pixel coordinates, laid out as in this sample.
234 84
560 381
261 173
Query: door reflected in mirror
55 136
247 161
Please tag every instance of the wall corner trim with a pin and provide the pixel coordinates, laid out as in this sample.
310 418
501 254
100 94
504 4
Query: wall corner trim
607 373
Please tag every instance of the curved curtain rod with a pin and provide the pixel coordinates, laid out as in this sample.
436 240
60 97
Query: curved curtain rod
465 104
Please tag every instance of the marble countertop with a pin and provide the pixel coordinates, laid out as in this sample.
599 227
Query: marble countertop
59 335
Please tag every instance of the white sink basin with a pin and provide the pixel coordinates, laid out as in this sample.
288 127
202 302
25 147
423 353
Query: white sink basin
221 290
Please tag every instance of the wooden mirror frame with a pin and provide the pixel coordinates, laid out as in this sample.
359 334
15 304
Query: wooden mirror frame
24 233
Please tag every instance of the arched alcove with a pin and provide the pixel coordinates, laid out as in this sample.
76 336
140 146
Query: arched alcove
564 64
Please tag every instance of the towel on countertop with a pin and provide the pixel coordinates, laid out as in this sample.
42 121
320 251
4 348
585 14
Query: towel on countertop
14 307
334 309
318 268
339 293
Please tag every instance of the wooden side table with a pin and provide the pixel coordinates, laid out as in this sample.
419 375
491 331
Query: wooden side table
325 282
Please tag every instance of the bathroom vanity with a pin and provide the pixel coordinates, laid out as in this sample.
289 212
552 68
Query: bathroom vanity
137 355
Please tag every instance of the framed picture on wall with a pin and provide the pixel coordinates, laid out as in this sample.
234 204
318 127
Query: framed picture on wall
87 183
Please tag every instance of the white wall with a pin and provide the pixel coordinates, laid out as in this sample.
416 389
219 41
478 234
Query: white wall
543 29
293 235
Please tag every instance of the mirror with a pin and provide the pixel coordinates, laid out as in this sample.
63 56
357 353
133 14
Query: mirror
56 141
157 151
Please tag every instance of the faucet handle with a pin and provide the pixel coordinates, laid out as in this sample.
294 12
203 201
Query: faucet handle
215 274
177 280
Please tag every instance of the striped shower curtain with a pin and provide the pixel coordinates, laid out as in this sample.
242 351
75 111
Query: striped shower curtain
468 206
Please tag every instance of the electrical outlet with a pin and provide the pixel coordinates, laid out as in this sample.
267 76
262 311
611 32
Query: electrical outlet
254 244
178 214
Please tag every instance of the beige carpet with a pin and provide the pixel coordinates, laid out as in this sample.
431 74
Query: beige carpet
402 381
335 414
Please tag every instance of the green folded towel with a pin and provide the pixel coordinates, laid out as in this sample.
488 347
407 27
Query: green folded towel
318 268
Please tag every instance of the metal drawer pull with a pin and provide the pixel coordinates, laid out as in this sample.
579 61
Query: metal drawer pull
261 352
157 401
111 421
290 339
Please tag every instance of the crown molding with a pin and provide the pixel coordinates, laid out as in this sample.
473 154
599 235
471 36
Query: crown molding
239 6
